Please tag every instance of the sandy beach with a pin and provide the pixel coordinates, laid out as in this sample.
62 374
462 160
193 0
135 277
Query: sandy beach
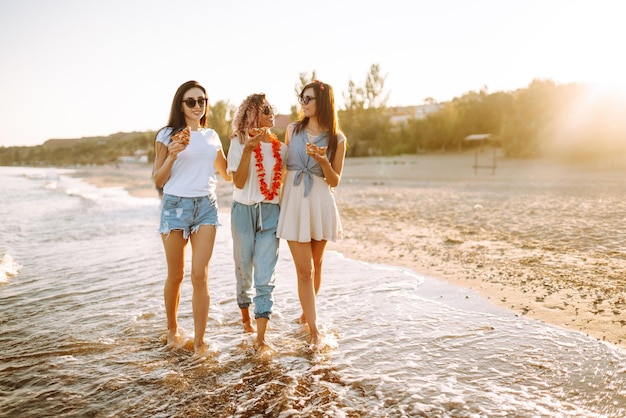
541 238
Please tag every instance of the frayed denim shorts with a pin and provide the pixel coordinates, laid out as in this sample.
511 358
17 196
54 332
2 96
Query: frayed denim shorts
187 214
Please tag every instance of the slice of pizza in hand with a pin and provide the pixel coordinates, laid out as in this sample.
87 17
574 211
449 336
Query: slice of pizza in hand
252 132
321 150
314 149
183 136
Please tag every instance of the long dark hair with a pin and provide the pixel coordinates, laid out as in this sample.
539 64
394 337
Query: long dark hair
177 117
325 113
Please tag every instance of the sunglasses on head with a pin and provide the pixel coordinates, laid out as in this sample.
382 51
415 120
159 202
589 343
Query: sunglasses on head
305 99
267 110
192 102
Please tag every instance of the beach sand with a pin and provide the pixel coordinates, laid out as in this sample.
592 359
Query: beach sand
541 238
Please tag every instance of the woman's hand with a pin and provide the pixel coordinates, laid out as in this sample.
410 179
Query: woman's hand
174 148
255 135
318 153
179 142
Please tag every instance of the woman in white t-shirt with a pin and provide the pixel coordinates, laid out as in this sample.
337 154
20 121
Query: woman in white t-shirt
255 159
187 156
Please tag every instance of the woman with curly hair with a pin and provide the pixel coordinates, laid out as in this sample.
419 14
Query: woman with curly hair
309 217
255 159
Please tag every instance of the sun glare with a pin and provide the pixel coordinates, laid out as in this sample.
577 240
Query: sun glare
613 88
592 124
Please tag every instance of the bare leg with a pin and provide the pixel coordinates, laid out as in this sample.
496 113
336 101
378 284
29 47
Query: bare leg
261 326
317 251
202 248
174 245
318 248
303 259
245 319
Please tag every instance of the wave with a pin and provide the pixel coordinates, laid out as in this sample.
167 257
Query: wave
8 268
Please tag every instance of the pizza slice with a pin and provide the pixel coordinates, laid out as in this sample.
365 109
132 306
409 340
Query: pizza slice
183 136
314 149
252 132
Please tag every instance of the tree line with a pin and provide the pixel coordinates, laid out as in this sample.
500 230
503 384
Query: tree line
571 121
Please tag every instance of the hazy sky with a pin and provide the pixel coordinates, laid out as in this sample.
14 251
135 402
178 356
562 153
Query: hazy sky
73 68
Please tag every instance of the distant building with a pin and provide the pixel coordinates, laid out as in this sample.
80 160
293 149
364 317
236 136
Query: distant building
402 114
281 121
398 115
140 156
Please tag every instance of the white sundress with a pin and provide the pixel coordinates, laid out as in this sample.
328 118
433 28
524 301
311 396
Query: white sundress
314 216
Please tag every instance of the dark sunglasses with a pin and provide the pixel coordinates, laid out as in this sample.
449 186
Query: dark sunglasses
267 110
305 99
192 102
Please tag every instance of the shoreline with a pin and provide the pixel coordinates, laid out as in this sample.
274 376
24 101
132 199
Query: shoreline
539 238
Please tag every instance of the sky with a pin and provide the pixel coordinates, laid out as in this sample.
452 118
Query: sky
77 68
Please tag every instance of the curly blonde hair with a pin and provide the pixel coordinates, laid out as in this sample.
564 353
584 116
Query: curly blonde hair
247 116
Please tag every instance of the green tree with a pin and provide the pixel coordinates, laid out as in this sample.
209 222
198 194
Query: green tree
220 118
365 120
303 80
535 107
543 118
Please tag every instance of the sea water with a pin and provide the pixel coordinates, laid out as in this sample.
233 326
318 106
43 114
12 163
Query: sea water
82 322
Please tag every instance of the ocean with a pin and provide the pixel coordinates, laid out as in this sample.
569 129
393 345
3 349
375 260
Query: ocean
82 326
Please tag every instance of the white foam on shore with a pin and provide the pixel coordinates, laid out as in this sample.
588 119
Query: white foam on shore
8 268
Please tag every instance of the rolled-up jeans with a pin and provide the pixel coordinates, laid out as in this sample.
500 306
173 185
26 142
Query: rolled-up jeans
255 251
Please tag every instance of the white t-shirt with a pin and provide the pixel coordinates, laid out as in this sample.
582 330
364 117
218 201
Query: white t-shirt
251 192
193 172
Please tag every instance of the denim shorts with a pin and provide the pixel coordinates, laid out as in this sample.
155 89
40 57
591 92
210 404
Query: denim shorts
187 213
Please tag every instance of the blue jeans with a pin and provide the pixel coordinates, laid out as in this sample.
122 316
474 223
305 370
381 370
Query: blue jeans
255 251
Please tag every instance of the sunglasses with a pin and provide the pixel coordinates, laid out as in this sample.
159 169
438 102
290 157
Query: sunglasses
191 103
267 110
305 99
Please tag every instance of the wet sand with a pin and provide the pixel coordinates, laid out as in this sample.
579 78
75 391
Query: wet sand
541 238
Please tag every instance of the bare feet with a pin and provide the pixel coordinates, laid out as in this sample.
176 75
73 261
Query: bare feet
247 327
200 350
303 331
314 343
258 344
246 320
262 348
174 338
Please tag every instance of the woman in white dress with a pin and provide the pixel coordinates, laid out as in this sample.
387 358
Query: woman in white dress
308 216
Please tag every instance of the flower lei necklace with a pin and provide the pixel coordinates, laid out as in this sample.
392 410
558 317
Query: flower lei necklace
277 170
